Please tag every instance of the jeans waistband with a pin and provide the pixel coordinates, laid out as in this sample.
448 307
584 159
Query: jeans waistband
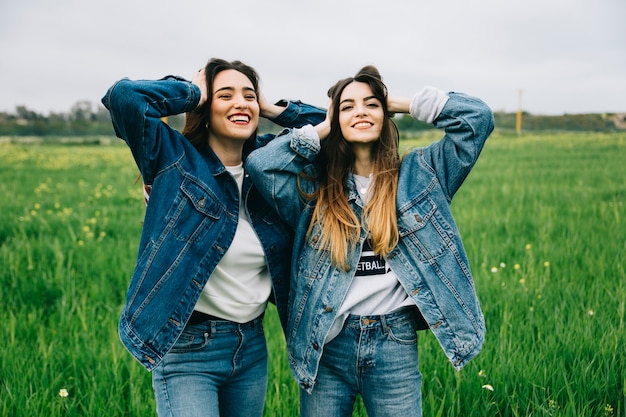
403 314
199 320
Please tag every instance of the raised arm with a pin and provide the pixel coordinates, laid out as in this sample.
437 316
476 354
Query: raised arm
467 122
289 114
136 109
276 170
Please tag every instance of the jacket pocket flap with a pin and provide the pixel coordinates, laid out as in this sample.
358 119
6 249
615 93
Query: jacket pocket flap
416 216
201 198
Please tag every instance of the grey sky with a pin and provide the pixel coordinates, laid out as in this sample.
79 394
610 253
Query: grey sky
567 56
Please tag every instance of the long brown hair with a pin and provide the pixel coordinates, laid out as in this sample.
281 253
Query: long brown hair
340 226
196 127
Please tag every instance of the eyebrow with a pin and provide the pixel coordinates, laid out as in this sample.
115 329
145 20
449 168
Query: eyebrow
351 100
233 89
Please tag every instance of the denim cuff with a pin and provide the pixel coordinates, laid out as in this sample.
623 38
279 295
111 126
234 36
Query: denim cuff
305 142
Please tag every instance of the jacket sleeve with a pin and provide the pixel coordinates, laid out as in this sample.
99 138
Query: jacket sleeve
276 171
136 109
467 122
296 114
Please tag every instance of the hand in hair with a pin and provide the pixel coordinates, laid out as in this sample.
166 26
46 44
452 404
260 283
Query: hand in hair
398 104
199 79
323 129
268 110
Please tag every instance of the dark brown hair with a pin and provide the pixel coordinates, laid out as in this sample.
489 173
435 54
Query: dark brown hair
340 226
196 127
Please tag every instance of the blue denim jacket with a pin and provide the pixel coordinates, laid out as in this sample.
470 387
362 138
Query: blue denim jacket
429 260
192 215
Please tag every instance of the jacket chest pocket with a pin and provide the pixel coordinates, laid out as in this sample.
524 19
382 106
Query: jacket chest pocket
193 212
425 230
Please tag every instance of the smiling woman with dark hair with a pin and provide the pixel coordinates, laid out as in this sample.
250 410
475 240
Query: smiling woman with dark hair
377 254
212 252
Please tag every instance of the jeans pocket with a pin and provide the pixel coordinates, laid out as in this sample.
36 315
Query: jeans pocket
403 333
190 341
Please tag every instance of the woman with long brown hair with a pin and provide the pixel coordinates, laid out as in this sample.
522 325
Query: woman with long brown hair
212 253
377 254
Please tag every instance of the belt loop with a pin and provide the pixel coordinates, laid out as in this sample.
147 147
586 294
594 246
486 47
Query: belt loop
383 324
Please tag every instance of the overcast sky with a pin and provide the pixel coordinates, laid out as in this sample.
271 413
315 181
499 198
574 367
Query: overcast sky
552 56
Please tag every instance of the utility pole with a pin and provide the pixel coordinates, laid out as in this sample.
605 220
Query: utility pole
518 118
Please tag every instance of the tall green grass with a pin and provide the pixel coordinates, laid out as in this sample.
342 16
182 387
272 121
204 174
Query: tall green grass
543 220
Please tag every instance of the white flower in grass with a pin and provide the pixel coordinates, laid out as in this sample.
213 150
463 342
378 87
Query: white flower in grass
63 393
494 269
488 387
482 373
591 312
502 265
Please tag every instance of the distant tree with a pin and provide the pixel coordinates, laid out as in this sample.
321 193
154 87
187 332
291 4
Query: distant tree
26 114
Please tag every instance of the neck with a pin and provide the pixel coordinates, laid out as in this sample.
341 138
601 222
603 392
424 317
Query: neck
228 151
363 164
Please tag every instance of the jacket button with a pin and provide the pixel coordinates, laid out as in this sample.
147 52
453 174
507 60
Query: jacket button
329 309
201 202
418 218
316 346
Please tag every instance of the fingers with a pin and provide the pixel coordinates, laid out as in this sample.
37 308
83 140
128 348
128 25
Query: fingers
199 79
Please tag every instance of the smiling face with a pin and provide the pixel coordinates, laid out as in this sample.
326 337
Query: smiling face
234 114
361 115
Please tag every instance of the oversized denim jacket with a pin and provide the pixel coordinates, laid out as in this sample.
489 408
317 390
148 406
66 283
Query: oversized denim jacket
429 259
192 215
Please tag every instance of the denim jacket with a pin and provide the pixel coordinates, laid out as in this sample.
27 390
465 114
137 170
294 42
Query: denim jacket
192 215
429 259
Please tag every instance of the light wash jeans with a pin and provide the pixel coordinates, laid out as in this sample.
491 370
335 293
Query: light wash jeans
216 368
376 357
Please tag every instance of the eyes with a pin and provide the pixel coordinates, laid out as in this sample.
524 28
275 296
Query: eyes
229 94
350 105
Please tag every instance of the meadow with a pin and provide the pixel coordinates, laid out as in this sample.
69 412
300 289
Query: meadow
543 218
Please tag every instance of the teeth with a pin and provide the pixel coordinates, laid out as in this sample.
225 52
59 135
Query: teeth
362 124
239 118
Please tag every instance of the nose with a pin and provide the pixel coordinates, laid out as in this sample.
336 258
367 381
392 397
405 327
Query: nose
241 104
361 110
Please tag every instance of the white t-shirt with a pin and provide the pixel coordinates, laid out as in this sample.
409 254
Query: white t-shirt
375 288
240 285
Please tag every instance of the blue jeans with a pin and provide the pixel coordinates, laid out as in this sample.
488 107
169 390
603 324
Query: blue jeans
376 357
216 368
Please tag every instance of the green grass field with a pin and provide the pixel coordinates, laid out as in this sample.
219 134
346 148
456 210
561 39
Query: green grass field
544 222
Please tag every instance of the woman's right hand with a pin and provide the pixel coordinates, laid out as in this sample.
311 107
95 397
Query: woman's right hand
323 128
199 79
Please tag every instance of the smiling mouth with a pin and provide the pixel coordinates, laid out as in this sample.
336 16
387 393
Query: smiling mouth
239 118
362 125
